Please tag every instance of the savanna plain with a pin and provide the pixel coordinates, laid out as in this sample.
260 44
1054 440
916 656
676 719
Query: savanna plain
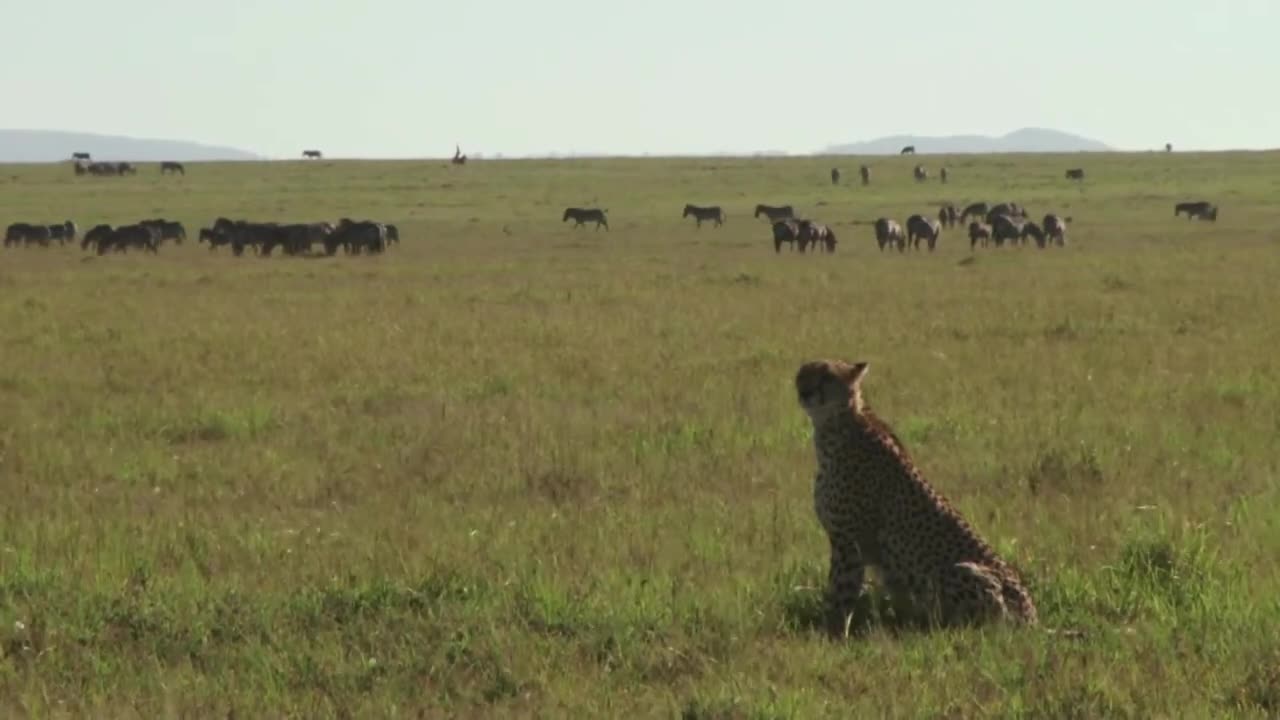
513 469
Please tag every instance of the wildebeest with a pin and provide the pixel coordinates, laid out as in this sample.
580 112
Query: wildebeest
1056 229
920 173
103 168
890 232
1075 174
908 150
1202 209
1168 147
125 168
127 236
835 176
80 156
712 213
978 209
948 215
355 237
978 231
311 154
24 233
1005 227
865 172
586 215
172 167
774 214
785 231
166 230
942 174
919 226
815 234
96 235
81 167
63 232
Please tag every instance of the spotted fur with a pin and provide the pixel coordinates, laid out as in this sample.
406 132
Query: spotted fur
878 510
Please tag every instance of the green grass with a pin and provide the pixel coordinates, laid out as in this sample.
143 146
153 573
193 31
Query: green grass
512 469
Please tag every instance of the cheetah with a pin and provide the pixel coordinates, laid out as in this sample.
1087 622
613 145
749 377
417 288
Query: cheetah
878 510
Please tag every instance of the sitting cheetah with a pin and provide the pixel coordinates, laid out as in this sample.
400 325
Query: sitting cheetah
877 509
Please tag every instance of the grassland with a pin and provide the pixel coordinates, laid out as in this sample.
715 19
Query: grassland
511 469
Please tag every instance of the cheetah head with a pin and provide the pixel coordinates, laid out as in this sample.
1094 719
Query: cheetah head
830 386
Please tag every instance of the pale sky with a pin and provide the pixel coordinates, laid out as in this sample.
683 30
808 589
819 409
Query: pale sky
408 78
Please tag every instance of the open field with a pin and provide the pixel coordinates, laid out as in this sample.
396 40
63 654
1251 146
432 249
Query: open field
512 469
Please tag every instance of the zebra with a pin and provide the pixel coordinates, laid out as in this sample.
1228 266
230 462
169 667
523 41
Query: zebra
774 214
920 173
172 167
948 215
812 233
908 150
919 226
785 231
1056 229
1005 227
586 215
713 213
978 209
1201 208
865 172
835 176
978 231
1076 174
1032 230
942 175
889 232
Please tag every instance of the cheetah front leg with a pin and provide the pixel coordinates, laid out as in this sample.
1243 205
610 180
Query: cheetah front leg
844 586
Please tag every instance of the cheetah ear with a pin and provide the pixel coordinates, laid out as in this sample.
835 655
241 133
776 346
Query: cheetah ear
856 372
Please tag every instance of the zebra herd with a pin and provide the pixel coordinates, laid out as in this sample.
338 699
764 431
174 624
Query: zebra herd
83 166
354 237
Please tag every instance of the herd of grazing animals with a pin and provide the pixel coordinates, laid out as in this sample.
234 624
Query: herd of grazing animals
988 225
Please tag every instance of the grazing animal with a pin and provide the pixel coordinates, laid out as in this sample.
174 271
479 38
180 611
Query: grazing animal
314 154
1168 147
865 173
172 167
889 232
1010 209
1201 208
1033 231
1055 228
978 232
166 230
585 215
920 227
785 231
835 176
1005 227
978 209
774 214
393 233
877 509
125 168
920 173
948 215
96 235
1075 174
710 214
942 174
908 150
816 235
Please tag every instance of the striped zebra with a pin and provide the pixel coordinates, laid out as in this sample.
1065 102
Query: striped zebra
920 227
815 234
586 215
865 172
920 173
713 213
889 233
172 167
1056 228
775 214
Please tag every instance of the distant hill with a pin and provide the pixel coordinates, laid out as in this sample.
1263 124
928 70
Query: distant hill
1035 140
27 146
